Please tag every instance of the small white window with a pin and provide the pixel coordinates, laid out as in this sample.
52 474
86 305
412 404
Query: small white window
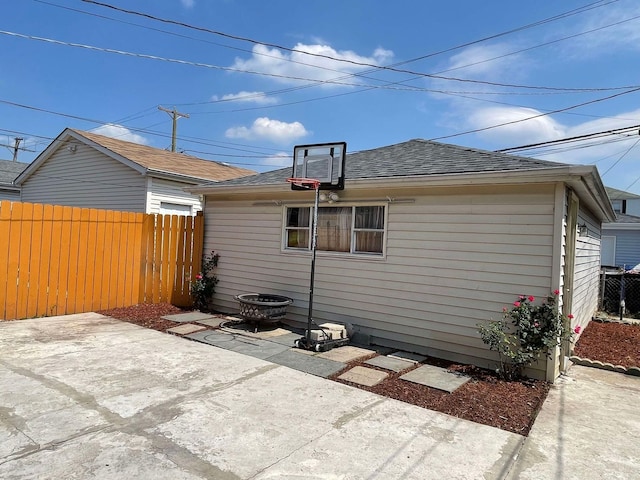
345 229
167 208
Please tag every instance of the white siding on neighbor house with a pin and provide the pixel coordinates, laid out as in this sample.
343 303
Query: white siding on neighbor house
86 178
586 278
627 246
169 191
452 260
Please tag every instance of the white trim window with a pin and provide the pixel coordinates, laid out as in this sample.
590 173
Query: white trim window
345 229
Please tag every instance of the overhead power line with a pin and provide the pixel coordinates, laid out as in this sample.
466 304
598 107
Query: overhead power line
559 110
355 62
570 139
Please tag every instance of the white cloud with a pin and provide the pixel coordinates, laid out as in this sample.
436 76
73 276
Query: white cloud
485 61
121 133
259 98
612 31
298 64
529 131
264 128
188 3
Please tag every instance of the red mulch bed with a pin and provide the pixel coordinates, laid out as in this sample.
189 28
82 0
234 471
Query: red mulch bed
485 399
146 315
610 342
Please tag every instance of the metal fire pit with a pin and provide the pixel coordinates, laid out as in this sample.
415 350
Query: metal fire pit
261 308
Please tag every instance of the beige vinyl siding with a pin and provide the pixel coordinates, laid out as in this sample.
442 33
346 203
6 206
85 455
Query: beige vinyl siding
161 190
452 260
586 282
86 178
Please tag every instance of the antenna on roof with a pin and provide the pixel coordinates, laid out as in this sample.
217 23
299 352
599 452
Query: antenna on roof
174 117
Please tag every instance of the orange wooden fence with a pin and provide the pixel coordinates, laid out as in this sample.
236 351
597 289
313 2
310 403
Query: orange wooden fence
57 260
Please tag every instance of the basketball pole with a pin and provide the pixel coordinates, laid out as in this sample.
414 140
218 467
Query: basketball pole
314 242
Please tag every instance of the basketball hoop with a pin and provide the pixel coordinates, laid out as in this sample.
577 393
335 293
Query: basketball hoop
308 183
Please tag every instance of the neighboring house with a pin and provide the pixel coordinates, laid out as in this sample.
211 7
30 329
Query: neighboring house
621 239
88 170
428 240
9 170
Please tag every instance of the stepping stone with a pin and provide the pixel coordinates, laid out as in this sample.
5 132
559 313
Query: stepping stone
186 329
287 339
247 346
320 367
411 357
212 322
213 337
364 376
188 317
436 377
390 363
346 354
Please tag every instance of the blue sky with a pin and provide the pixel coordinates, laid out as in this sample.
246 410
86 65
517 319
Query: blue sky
253 120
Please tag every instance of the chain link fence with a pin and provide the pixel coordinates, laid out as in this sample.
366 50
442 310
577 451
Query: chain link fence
619 287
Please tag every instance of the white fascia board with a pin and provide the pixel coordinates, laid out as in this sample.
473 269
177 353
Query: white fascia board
175 176
621 226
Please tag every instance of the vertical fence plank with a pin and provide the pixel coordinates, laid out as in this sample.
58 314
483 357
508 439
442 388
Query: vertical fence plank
23 266
148 233
37 244
65 254
5 252
107 266
178 295
82 300
164 271
74 260
172 257
92 240
55 261
157 260
135 248
115 260
44 267
122 260
13 265
99 270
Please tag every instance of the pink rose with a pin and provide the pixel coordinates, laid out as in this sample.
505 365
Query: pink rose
504 309
577 330
536 324
556 292
522 297
516 304
198 277
570 316
531 298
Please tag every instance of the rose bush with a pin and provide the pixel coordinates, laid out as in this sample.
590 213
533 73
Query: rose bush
525 333
204 286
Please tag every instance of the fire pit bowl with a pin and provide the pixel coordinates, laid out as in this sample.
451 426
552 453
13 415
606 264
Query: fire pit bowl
262 307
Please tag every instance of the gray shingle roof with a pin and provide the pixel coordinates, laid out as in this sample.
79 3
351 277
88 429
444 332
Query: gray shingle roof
413 158
10 170
624 218
615 194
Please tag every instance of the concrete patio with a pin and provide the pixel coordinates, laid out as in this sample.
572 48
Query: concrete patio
87 396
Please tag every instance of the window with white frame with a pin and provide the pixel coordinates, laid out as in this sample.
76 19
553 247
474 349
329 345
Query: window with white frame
345 229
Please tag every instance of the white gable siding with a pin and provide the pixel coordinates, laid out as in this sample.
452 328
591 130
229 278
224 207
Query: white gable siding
586 284
161 190
86 178
452 260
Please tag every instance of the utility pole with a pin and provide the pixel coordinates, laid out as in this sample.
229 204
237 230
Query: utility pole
16 147
174 114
